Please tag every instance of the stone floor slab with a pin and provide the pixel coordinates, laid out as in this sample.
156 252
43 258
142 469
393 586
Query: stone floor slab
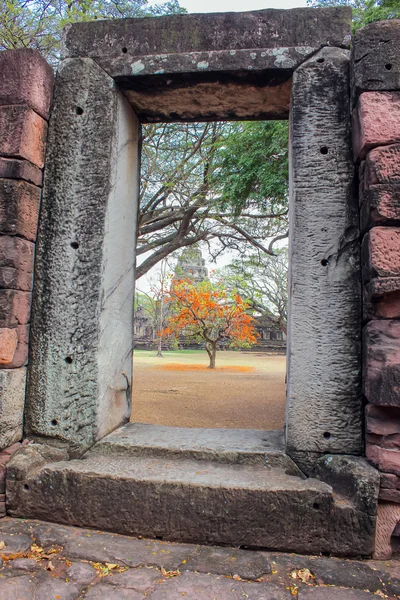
327 593
140 580
105 592
228 561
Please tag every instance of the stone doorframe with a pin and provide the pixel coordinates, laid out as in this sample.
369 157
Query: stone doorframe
116 74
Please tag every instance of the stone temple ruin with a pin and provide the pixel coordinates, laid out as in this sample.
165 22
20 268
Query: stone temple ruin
331 483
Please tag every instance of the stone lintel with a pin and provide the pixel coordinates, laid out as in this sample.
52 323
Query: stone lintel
324 407
179 34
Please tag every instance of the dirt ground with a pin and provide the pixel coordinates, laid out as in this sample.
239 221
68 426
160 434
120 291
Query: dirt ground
247 392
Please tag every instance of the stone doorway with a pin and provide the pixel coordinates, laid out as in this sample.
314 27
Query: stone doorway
262 65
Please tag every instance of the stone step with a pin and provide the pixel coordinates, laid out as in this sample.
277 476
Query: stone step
190 501
235 446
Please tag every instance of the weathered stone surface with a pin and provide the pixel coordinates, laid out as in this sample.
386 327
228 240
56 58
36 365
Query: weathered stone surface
140 580
229 562
16 263
15 543
383 459
382 420
12 400
26 78
390 481
381 307
325 291
19 208
220 66
375 60
12 168
351 478
236 446
381 365
105 592
380 205
381 253
82 310
15 308
81 574
376 121
24 564
334 594
206 32
22 134
382 167
389 495
21 353
135 495
208 587
8 345
345 574
388 517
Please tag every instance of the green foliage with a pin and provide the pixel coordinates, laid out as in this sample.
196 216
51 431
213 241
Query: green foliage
365 11
253 166
38 23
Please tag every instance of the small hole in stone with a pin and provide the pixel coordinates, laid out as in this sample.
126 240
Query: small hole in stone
54 422
388 67
320 60
327 435
68 359
315 506
124 50
324 150
26 486
79 110
74 245
324 262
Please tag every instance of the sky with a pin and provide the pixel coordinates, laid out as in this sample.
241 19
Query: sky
207 6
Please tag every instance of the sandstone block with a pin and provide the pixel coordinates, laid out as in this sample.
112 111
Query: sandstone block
389 495
381 364
8 345
82 319
382 306
12 168
390 481
15 308
382 166
383 459
19 208
26 78
381 253
324 277
22 134
16 263
21 353
375 59
380 205
376 121
382 420
12 400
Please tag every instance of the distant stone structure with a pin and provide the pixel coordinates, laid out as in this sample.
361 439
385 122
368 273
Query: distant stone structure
191 265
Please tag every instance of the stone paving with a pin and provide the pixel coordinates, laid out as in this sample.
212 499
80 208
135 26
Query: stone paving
45 561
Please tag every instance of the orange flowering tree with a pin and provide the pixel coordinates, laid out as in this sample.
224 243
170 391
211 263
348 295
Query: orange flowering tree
208 313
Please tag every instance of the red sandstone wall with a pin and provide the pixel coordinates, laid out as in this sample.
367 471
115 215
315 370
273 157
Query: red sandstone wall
376 140
26 87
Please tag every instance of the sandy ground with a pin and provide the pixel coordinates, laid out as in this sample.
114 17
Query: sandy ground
206 398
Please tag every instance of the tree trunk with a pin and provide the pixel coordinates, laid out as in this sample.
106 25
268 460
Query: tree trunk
211 348
160 324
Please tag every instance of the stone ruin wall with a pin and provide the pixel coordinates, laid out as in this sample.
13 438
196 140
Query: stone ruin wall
26 83
26 87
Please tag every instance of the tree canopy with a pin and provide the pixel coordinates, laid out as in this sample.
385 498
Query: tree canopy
208 313
364 11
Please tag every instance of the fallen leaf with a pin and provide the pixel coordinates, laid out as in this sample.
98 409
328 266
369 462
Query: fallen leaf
169 574
303 574
50 566
237 578
111 566
2 545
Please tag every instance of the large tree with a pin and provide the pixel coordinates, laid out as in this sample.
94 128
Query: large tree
365 11
38 24
221 183
208 313
263 282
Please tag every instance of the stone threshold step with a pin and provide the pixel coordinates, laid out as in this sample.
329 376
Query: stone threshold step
191 501
238 446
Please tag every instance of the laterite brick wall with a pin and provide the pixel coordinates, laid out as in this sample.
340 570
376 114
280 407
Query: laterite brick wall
376 141
26 86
